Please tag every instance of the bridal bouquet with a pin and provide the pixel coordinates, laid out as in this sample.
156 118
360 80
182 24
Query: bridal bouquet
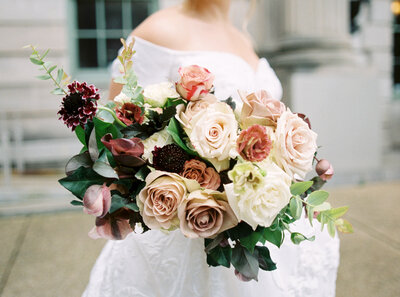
174 156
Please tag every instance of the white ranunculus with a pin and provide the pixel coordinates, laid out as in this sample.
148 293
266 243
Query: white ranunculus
121 98
214 133
295 145
158 139
157 95
261 206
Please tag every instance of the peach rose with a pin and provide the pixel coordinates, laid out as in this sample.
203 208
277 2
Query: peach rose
260 108
254 144
185 115
205 214
158 201
195 82
295 145
207 177
97 200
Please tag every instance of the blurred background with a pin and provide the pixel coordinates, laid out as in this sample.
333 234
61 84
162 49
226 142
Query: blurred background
338 61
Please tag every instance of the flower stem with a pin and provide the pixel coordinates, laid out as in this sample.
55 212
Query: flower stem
113 114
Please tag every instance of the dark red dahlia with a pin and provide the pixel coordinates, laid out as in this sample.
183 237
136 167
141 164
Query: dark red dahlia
130 113
79 105
170 158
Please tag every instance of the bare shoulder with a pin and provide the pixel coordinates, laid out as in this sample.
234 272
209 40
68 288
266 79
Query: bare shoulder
161 28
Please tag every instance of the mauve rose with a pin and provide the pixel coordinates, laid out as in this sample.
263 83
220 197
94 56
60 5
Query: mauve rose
112 227
158 201
207 177
130 113
254 144
295 145
324 169
97 200
260 108
126 152
185 114
195 82
205 214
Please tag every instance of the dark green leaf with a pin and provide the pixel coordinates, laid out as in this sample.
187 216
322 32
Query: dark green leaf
176 132
103 128
275 237
220 256
250 241
80 133
300 188
76 203
80 180
118 202
142 173
213 243
264 258
318 183
230 102
245 262
241 230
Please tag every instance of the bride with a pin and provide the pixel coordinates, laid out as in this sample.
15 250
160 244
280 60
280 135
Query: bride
169 265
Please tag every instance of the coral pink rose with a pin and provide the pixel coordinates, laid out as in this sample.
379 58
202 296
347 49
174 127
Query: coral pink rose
126 152
158 201
205 214
195 82
112 227
254 144
260 108
97 200
295 145
324 169
207 177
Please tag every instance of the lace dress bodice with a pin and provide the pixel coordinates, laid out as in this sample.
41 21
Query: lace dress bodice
155 264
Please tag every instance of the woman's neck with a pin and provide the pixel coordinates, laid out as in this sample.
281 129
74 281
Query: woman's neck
208 10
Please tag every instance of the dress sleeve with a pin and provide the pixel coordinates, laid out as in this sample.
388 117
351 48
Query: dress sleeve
151 64
269 81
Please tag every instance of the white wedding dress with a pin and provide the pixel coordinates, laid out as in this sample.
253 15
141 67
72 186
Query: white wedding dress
155 264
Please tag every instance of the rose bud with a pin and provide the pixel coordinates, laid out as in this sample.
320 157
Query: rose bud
324 169
195 82
97 200
241 276
126 152
112 227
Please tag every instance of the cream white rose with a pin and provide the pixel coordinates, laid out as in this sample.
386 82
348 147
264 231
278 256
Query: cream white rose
295 145
214 133
261 206
157 95
158 139
122 98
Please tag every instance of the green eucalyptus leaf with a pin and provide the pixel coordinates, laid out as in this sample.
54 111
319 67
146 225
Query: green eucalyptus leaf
120 80
60 74
51 69
344 226
317 198
36 61
297 238
310 214
300 188
58 91
45 53
336 213
296 207
43 77
331 228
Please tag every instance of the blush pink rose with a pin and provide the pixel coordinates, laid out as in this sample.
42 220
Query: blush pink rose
260 108
205 214
158 201
195 82
295 145
97 200
254 144
112 227
207 177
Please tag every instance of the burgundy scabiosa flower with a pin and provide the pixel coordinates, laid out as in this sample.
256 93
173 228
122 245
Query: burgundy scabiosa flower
79 105
170 158
130 113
